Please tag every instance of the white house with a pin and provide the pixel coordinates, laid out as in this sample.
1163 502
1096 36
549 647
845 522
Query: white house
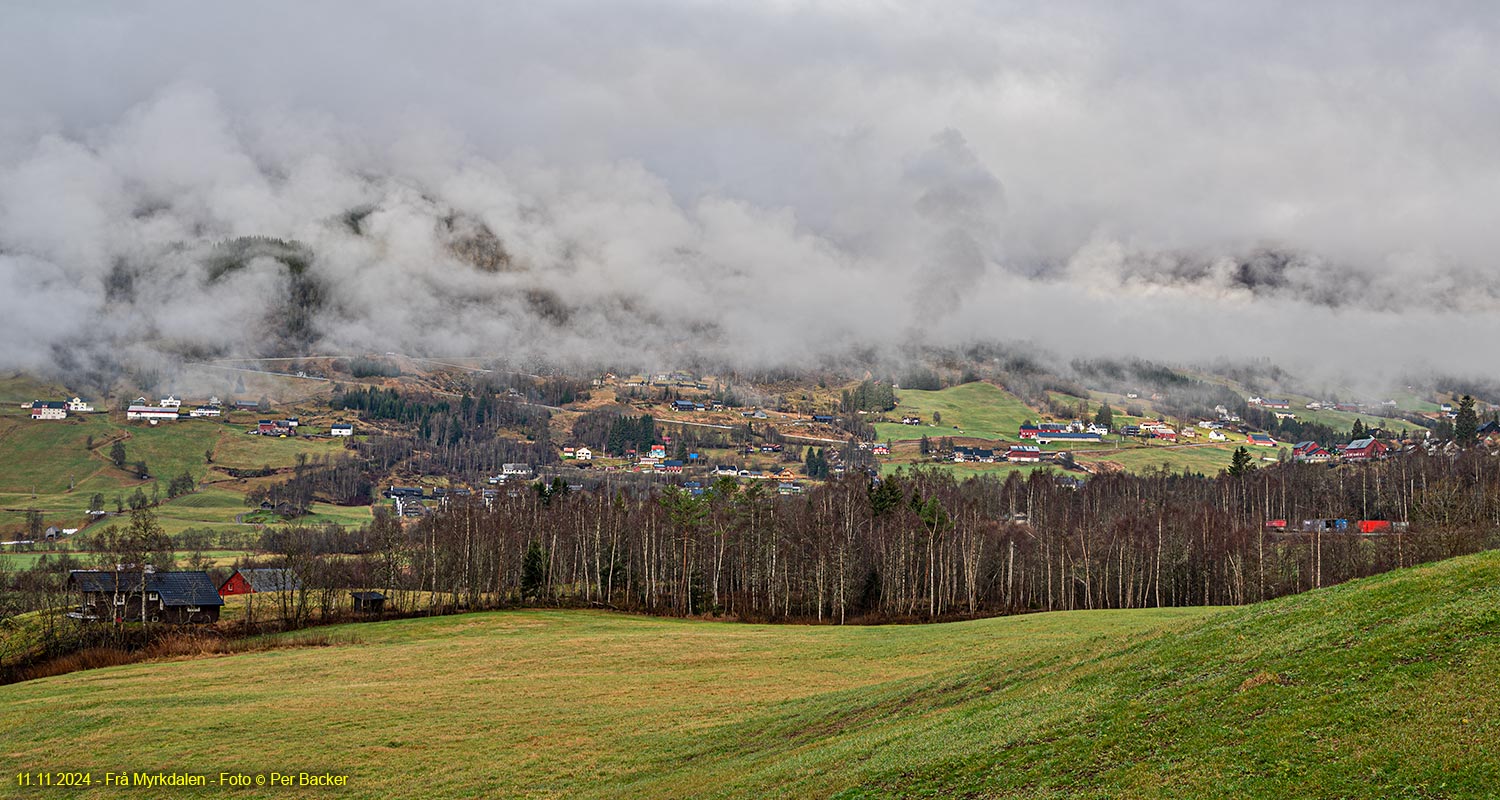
583 454
170 401
516 470
44 409
150 413
1216 436
206 411
341 429
77 404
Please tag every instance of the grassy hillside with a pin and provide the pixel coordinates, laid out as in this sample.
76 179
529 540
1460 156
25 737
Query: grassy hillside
978 409
1381 688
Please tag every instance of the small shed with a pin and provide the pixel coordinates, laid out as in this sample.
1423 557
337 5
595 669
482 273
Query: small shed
368 602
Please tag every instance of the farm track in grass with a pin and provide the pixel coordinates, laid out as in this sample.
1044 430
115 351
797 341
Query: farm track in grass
1383 687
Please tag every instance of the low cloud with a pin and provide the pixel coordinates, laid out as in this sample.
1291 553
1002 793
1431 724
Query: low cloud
755 186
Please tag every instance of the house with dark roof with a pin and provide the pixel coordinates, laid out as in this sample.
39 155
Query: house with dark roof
256 581
1260 440
132 595
48 409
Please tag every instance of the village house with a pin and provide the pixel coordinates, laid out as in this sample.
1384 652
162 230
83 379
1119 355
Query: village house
1260 440
268 427
47 409
880 449
170 401
1310 452
341 429
410 507
79 405
516 470
206 411
583 454
974 454
827 418
257 581
788 488
1217 436
133 595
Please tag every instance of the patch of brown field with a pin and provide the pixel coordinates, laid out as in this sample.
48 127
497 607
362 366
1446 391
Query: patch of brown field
178 647
1261 679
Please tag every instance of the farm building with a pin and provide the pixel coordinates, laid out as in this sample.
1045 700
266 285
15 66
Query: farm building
47 409
79 405
368 602
206 411
1045 436
1024 454
1260 440
341 429
1366 449
256 581
150 413
125 596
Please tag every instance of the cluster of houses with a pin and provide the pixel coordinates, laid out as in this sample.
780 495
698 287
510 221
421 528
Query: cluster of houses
57 409
170 408
1075 431
1365 527
1367 448
1016 453
181 597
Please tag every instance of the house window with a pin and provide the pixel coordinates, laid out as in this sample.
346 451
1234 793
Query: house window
119 599
192 609
151 595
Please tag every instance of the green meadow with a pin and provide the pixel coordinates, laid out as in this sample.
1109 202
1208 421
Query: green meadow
1385 687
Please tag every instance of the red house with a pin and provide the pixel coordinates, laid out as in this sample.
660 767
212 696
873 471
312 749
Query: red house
255 581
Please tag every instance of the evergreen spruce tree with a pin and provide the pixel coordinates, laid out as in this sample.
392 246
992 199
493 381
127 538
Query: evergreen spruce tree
1466 424
1358 432
533 572
1240 463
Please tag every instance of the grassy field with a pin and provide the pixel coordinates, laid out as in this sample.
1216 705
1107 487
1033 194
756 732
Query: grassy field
977 409
1380 688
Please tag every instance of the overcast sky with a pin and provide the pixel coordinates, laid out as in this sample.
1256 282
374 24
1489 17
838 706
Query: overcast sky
766 182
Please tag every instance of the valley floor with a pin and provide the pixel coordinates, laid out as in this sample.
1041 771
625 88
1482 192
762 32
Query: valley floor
1382 687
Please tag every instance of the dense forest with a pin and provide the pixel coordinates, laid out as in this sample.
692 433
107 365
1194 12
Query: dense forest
918 546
